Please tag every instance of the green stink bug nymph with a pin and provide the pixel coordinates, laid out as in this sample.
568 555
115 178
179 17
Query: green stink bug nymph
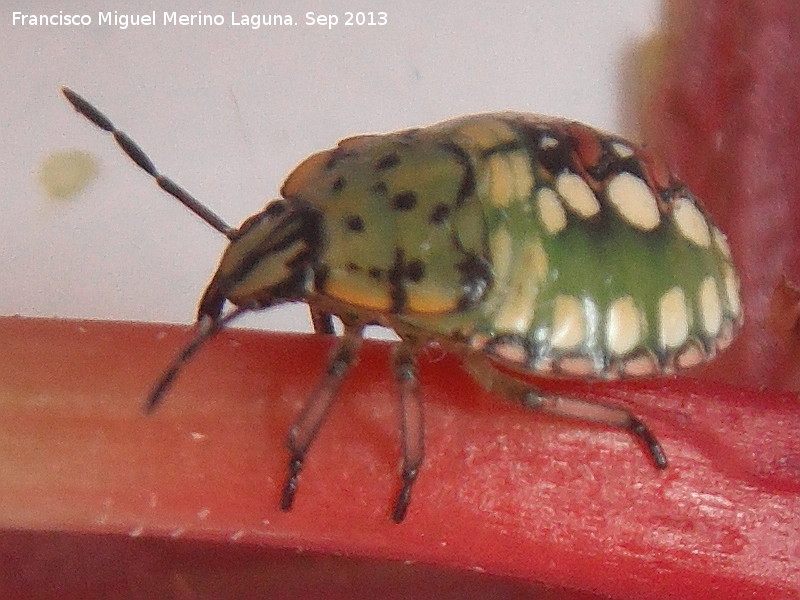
534 244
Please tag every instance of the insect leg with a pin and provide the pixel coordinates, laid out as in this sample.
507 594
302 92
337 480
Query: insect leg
405 371
322 321
137 155
494 380
304 430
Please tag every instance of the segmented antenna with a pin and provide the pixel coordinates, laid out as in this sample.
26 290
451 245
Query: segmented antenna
137 155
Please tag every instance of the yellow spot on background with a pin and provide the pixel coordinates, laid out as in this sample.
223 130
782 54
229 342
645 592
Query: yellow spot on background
485 133
502 180
423 299
64 174
371 296
511 178
521 170
270 270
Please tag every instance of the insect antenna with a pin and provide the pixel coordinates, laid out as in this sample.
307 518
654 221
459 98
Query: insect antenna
207 328
137 155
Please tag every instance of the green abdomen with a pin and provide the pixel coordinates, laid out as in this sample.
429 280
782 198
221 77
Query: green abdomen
601 269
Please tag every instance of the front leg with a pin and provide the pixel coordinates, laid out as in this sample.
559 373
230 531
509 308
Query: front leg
488 375
405 371
308 423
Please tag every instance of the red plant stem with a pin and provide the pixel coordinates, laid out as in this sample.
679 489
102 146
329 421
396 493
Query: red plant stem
510 493
723 110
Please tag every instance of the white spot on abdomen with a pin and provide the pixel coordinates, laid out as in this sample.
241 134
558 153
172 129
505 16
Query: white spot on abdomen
634 201
691 222
577 194
710 307
721 243
551 212
623 326
732 291
622 150
673 318
569 323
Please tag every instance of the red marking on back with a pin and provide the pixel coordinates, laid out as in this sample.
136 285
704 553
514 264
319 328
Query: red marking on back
587 144
655 169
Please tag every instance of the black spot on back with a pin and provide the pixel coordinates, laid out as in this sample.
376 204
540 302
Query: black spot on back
467 185
387 161
400 272
439 214
415 270
354 223
380 189
404 201
337 155
375 272
677 190
501 148
555 158
610 163
338 184
476 279
607 165
396 275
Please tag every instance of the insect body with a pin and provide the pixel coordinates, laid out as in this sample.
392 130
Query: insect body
535 244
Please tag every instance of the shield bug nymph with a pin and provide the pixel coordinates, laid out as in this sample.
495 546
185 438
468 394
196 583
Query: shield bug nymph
534 244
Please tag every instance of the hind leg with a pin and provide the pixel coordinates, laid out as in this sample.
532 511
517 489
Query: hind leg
490 377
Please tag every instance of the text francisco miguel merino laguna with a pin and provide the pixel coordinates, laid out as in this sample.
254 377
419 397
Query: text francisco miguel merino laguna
149 19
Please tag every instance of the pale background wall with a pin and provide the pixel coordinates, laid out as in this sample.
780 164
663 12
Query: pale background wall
228 111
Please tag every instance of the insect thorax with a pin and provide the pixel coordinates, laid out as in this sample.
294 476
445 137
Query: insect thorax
542 242
403 233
